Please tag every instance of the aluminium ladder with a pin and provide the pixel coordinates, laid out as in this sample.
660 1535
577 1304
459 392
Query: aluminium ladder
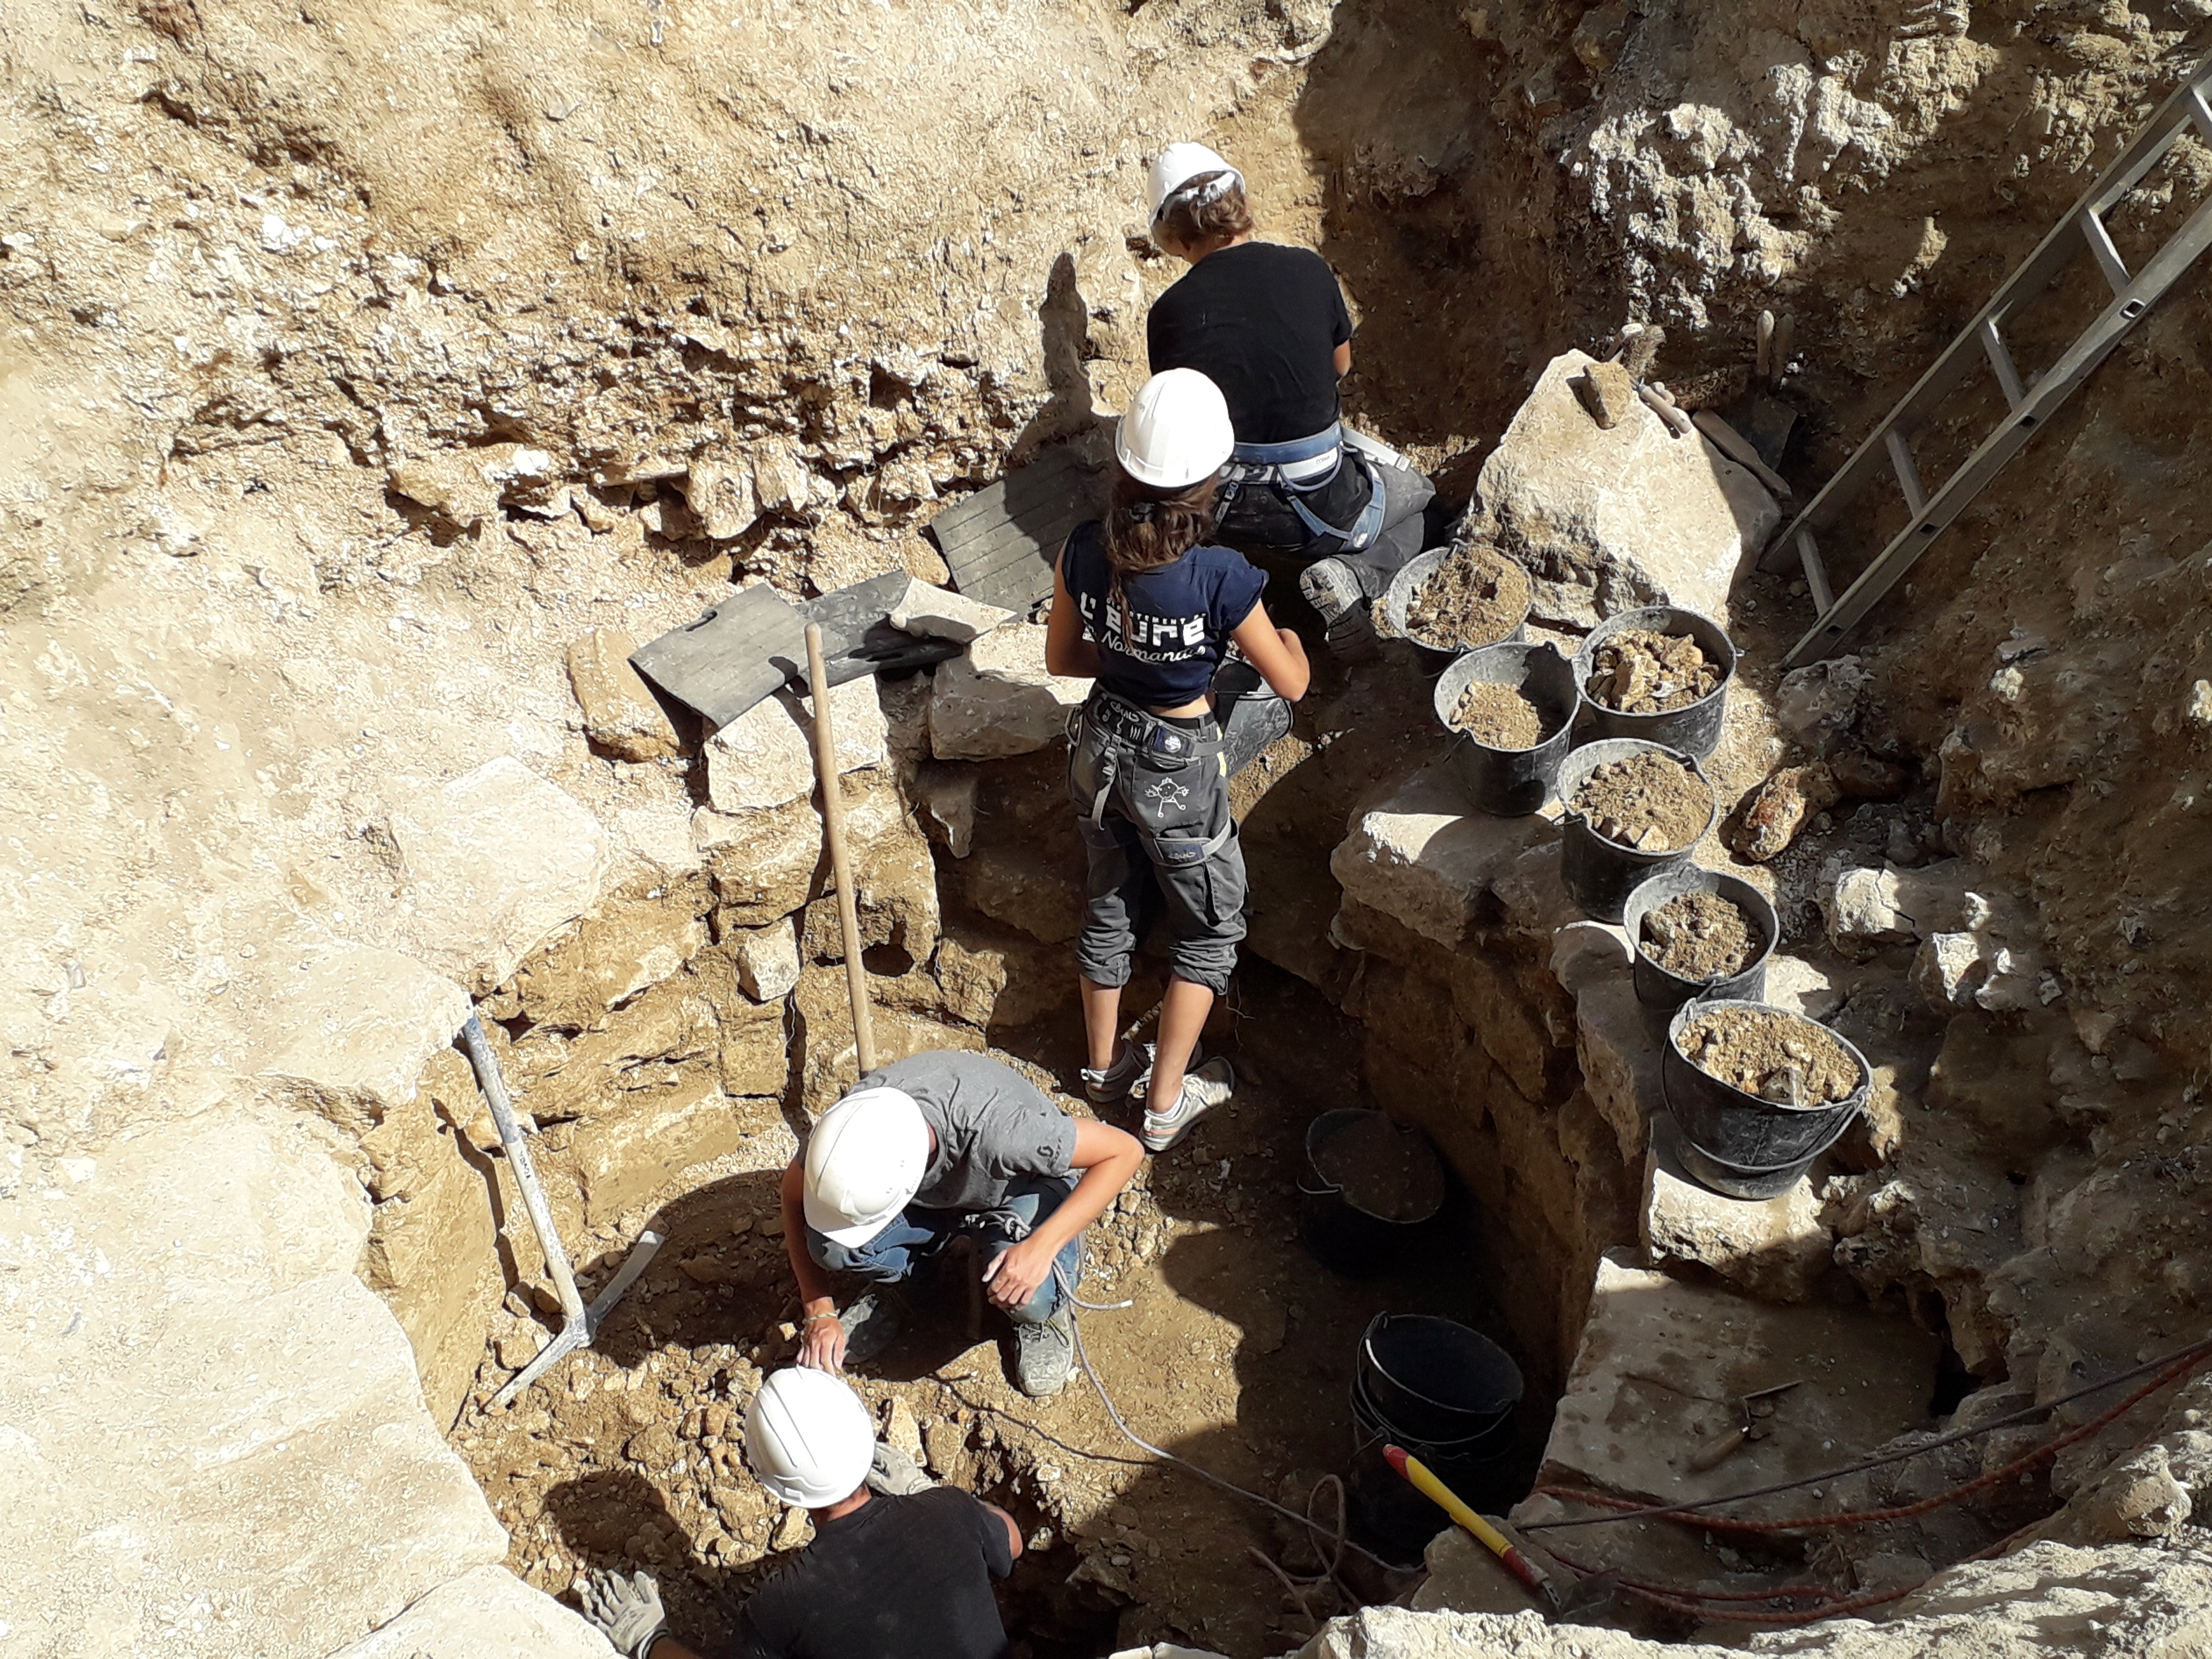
2029 403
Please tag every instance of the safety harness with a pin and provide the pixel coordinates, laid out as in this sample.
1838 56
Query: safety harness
1263 463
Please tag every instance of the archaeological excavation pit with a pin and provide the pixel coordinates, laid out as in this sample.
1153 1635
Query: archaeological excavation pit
376 381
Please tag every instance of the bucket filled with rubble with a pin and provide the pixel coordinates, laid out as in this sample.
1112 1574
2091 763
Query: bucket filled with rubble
1455 600
1758 1092
1370 1187
1660 673
1699 933
1511 709
1634 809
1445 1394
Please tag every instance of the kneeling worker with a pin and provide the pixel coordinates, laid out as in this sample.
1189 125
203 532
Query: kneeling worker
930 1147
899 1568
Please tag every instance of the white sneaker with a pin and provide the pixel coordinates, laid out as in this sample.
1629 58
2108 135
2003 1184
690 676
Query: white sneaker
1209 1086
1117 1080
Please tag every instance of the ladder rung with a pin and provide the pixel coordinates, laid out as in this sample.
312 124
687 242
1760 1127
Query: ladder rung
1816 574
2001 361
2107 256
1908 475
2201 112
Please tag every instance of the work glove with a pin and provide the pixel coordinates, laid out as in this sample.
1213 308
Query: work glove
892 1474
627 1610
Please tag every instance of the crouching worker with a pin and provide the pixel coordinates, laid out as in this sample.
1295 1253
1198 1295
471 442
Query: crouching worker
1268 323
899 1568
1146 605
924 1150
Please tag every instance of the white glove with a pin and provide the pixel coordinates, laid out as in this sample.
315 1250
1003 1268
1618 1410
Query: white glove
626 1610
892 1474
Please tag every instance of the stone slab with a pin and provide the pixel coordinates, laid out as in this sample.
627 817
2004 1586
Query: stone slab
1425 858
485 1614
620 712
762 862
765 757
767 959
939 613
1608 519
1774 1248
626 1153
996 699
363 1024
1662 1363
495 861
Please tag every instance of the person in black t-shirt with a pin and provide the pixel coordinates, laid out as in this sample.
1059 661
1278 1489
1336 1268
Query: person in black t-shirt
899 1568
1268 324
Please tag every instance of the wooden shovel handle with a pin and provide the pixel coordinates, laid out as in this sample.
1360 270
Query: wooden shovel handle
841 866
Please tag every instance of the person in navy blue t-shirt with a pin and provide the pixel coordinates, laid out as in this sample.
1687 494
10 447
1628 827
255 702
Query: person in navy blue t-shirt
1146 605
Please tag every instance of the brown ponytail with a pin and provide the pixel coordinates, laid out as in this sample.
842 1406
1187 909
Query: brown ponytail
1149 529
1185 220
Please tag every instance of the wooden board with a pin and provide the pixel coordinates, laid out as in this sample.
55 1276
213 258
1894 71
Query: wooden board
999 543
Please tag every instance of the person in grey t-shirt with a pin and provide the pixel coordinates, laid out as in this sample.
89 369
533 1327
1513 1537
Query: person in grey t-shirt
928 1148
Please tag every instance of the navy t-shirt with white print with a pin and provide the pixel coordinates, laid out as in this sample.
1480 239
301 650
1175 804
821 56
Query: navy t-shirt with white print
1180 616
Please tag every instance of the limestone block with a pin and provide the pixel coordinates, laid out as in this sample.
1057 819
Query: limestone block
1466 1577
753 1047
1775 1249
1001 980
1795 984
620 712
1662 1363
496 860
607 960
1617 1043
997 700
830 1063
363 1023
767 960
1608 519
623 1156
484 1613
1425 858
765 757
763 863
210 1414
1972 969
721 496
781 482
467 485
939 613
946 795
1817 704
894 880
1027 888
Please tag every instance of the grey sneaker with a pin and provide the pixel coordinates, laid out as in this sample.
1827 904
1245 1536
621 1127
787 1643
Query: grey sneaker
1115 1083
1333 592
892 1474
871 1324
1044 1354
1203 1089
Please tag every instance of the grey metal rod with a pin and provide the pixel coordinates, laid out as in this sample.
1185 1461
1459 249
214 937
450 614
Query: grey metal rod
485 1065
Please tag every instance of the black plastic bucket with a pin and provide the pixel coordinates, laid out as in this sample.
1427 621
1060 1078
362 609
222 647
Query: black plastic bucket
1695 730
1399 594
1600 874
1655 988
1512 783
1433 1382
1387 1513
1736 1180
1345 1238
1739 1129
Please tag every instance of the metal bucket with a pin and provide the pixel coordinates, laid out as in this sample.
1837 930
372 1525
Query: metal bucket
1407 582
1344 1238
1695 730
1600 874
1655 988
1751 1184
1739 1130
1512 783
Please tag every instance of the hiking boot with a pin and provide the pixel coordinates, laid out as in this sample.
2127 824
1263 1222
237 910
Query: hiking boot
892 1474
1203 1089
871 1324
1334 591
1117 1080
1044 1354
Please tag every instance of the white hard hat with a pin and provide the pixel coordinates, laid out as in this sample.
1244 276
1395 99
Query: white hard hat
864 1160
1176 430
808 1438
1178 164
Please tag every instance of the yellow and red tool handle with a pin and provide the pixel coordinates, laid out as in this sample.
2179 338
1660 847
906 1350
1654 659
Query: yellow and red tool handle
1425 1482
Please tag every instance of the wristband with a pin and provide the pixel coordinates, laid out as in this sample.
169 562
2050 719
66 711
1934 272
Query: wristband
810 1318
643 1650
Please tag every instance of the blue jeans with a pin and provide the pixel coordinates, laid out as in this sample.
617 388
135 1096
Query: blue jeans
915 1233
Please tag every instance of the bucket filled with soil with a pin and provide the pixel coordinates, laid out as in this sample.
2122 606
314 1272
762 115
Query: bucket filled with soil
1369 1187
1758 1088
1511 709
1447 1395
1457 599
1661 673
1699 933
1634 809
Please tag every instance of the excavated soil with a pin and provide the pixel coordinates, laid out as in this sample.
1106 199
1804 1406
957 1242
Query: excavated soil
1500 717
1385 1169
1638 671
1236 1352
1475 598
1648 801
1775 1055
1699 936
